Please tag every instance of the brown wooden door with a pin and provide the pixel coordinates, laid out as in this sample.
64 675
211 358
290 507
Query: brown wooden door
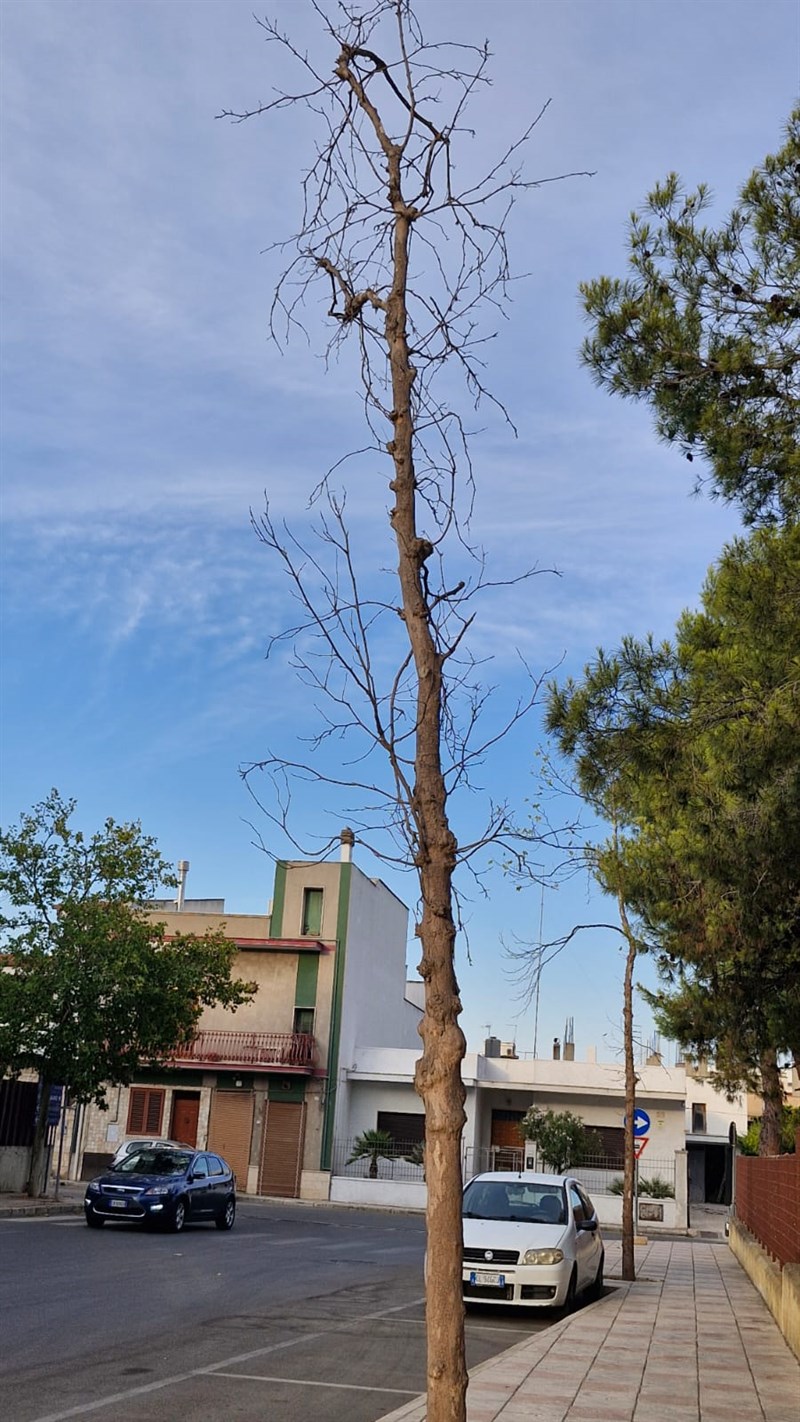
282 1149
230 1128
185 1115
507 1140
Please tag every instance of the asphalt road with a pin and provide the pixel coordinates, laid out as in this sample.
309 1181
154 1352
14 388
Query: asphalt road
299 1314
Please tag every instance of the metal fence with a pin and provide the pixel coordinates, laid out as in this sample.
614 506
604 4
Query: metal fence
399 1160
600 1174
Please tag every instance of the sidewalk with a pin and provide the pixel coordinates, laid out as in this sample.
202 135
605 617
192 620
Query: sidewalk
70 1202
690 1341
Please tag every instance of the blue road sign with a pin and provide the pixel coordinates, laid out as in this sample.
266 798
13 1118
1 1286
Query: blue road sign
641 1122
54 1105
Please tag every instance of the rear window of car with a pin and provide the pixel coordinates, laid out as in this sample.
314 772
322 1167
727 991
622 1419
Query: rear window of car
515 1200
215 1165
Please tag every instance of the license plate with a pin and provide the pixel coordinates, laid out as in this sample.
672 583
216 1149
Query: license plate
487 1281
118 1204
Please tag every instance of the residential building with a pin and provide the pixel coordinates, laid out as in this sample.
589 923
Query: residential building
263 1086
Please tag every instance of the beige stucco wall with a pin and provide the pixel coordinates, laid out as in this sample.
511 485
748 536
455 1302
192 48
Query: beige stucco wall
779 1288
300 876
272 1008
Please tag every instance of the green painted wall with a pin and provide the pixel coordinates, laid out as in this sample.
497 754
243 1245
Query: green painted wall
286 1088
343 910
278 896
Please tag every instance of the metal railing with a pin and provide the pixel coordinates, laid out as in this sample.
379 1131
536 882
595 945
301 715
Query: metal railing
402 1160
600 1173
292 1050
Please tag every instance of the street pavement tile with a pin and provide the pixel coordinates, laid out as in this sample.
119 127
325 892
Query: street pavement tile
594 1412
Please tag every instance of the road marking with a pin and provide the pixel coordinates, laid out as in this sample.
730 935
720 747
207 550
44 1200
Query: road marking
308 1382
83 1408
116 1397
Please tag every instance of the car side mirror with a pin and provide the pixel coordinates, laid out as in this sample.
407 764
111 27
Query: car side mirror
588 1224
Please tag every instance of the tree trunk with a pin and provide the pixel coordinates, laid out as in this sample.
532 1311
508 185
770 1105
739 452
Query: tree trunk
629 1159
438 1076
769 1142
37 1178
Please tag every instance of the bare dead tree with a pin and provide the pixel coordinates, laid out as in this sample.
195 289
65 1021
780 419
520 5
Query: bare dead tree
410 262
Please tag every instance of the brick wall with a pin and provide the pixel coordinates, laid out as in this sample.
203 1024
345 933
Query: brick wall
768 1202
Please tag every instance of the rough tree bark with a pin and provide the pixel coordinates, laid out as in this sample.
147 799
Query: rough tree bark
769 1141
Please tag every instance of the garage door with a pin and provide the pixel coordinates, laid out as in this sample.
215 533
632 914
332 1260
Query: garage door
230 1129
282 1149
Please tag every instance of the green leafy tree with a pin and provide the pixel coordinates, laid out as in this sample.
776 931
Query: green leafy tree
92 987
372 1146
708 728
750 1142
561 1137
706 329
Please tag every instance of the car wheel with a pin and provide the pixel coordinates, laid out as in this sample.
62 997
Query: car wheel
572 1293
596 1290
178 1216
92 1221
226 1219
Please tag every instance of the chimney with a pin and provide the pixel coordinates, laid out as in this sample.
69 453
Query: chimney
556 1050
569 1051
347 840
183 870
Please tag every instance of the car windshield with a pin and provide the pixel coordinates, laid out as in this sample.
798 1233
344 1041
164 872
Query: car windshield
155 1162
516 1200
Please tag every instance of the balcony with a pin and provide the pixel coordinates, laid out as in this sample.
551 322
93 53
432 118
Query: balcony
258 1051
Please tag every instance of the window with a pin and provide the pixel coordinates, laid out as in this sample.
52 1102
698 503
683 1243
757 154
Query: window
698 1117
200 1167
608 1148
312 912
215 1165
145 1111
578 1207
304 1020
406 1128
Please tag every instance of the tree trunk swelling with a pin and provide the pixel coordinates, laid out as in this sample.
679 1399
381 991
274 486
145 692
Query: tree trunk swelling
772 1096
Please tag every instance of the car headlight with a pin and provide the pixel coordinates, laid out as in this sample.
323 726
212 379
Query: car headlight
543 1256
93 1188
156 1190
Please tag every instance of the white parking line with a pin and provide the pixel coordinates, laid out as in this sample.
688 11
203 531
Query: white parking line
83 1409
309 1382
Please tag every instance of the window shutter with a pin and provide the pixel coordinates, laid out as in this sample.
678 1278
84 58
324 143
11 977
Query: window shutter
145 1109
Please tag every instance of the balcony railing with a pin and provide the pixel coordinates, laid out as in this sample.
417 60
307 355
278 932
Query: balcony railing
289 1051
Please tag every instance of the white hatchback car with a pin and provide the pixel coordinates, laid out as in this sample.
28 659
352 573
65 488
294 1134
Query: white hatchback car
531 1240
140 1143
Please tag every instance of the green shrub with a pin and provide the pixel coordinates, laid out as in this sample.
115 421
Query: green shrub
656 1188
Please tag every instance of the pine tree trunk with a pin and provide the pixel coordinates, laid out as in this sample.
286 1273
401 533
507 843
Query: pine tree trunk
769 1142
629 1159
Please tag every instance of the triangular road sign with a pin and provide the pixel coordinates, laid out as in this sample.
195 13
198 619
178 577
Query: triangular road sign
639 1145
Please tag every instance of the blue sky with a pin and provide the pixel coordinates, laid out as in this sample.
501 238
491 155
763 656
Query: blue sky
145 411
